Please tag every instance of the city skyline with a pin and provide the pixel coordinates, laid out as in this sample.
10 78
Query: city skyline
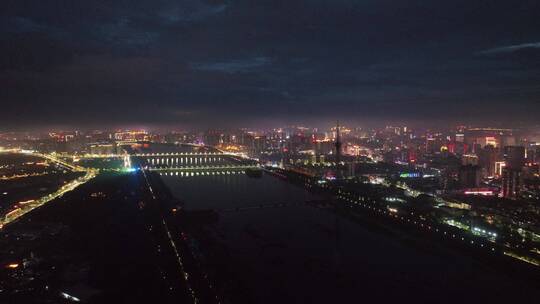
173 212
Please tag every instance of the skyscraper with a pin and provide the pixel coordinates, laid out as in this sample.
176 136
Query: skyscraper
487 158
511 182
470 176
514 157
338 145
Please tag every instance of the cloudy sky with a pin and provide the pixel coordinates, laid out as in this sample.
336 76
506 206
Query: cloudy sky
246 62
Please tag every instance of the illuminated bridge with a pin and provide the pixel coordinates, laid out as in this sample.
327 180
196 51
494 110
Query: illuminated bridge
190 160
187 172
156 155
193 164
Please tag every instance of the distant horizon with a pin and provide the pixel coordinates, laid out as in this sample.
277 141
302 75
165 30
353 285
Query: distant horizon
268 126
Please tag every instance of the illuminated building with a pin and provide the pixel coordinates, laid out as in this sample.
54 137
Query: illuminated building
499 166
479 191
351 149
487 157
410 175
457 147
531 155
213 137
491 141
131 136
63 136
323 147
514 157
469 159
411 156
338 144
431 145
511 182
394 130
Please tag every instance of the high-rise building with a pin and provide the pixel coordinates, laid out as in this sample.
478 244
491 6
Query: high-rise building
432 144
338 144
213 137
532 155
487 158
514 156
470 176
499 166
351 169
511 182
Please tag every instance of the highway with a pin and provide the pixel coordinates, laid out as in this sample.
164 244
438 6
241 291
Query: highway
53 158
21 211
26 208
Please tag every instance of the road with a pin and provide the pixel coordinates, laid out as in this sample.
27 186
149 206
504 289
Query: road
26 208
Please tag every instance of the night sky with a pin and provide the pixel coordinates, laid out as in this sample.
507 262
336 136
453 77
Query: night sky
249 62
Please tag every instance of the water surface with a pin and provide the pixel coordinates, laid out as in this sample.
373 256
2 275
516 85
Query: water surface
304 254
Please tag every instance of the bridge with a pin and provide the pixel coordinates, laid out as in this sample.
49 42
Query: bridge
222 168
192 163
191 154
186 161
180 164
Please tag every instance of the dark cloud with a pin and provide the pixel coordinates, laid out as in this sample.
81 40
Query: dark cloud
242 61
233 66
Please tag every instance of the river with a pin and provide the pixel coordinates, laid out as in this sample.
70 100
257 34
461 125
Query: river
304 254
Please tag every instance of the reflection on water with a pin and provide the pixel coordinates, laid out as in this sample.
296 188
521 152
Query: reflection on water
232 191
304 254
